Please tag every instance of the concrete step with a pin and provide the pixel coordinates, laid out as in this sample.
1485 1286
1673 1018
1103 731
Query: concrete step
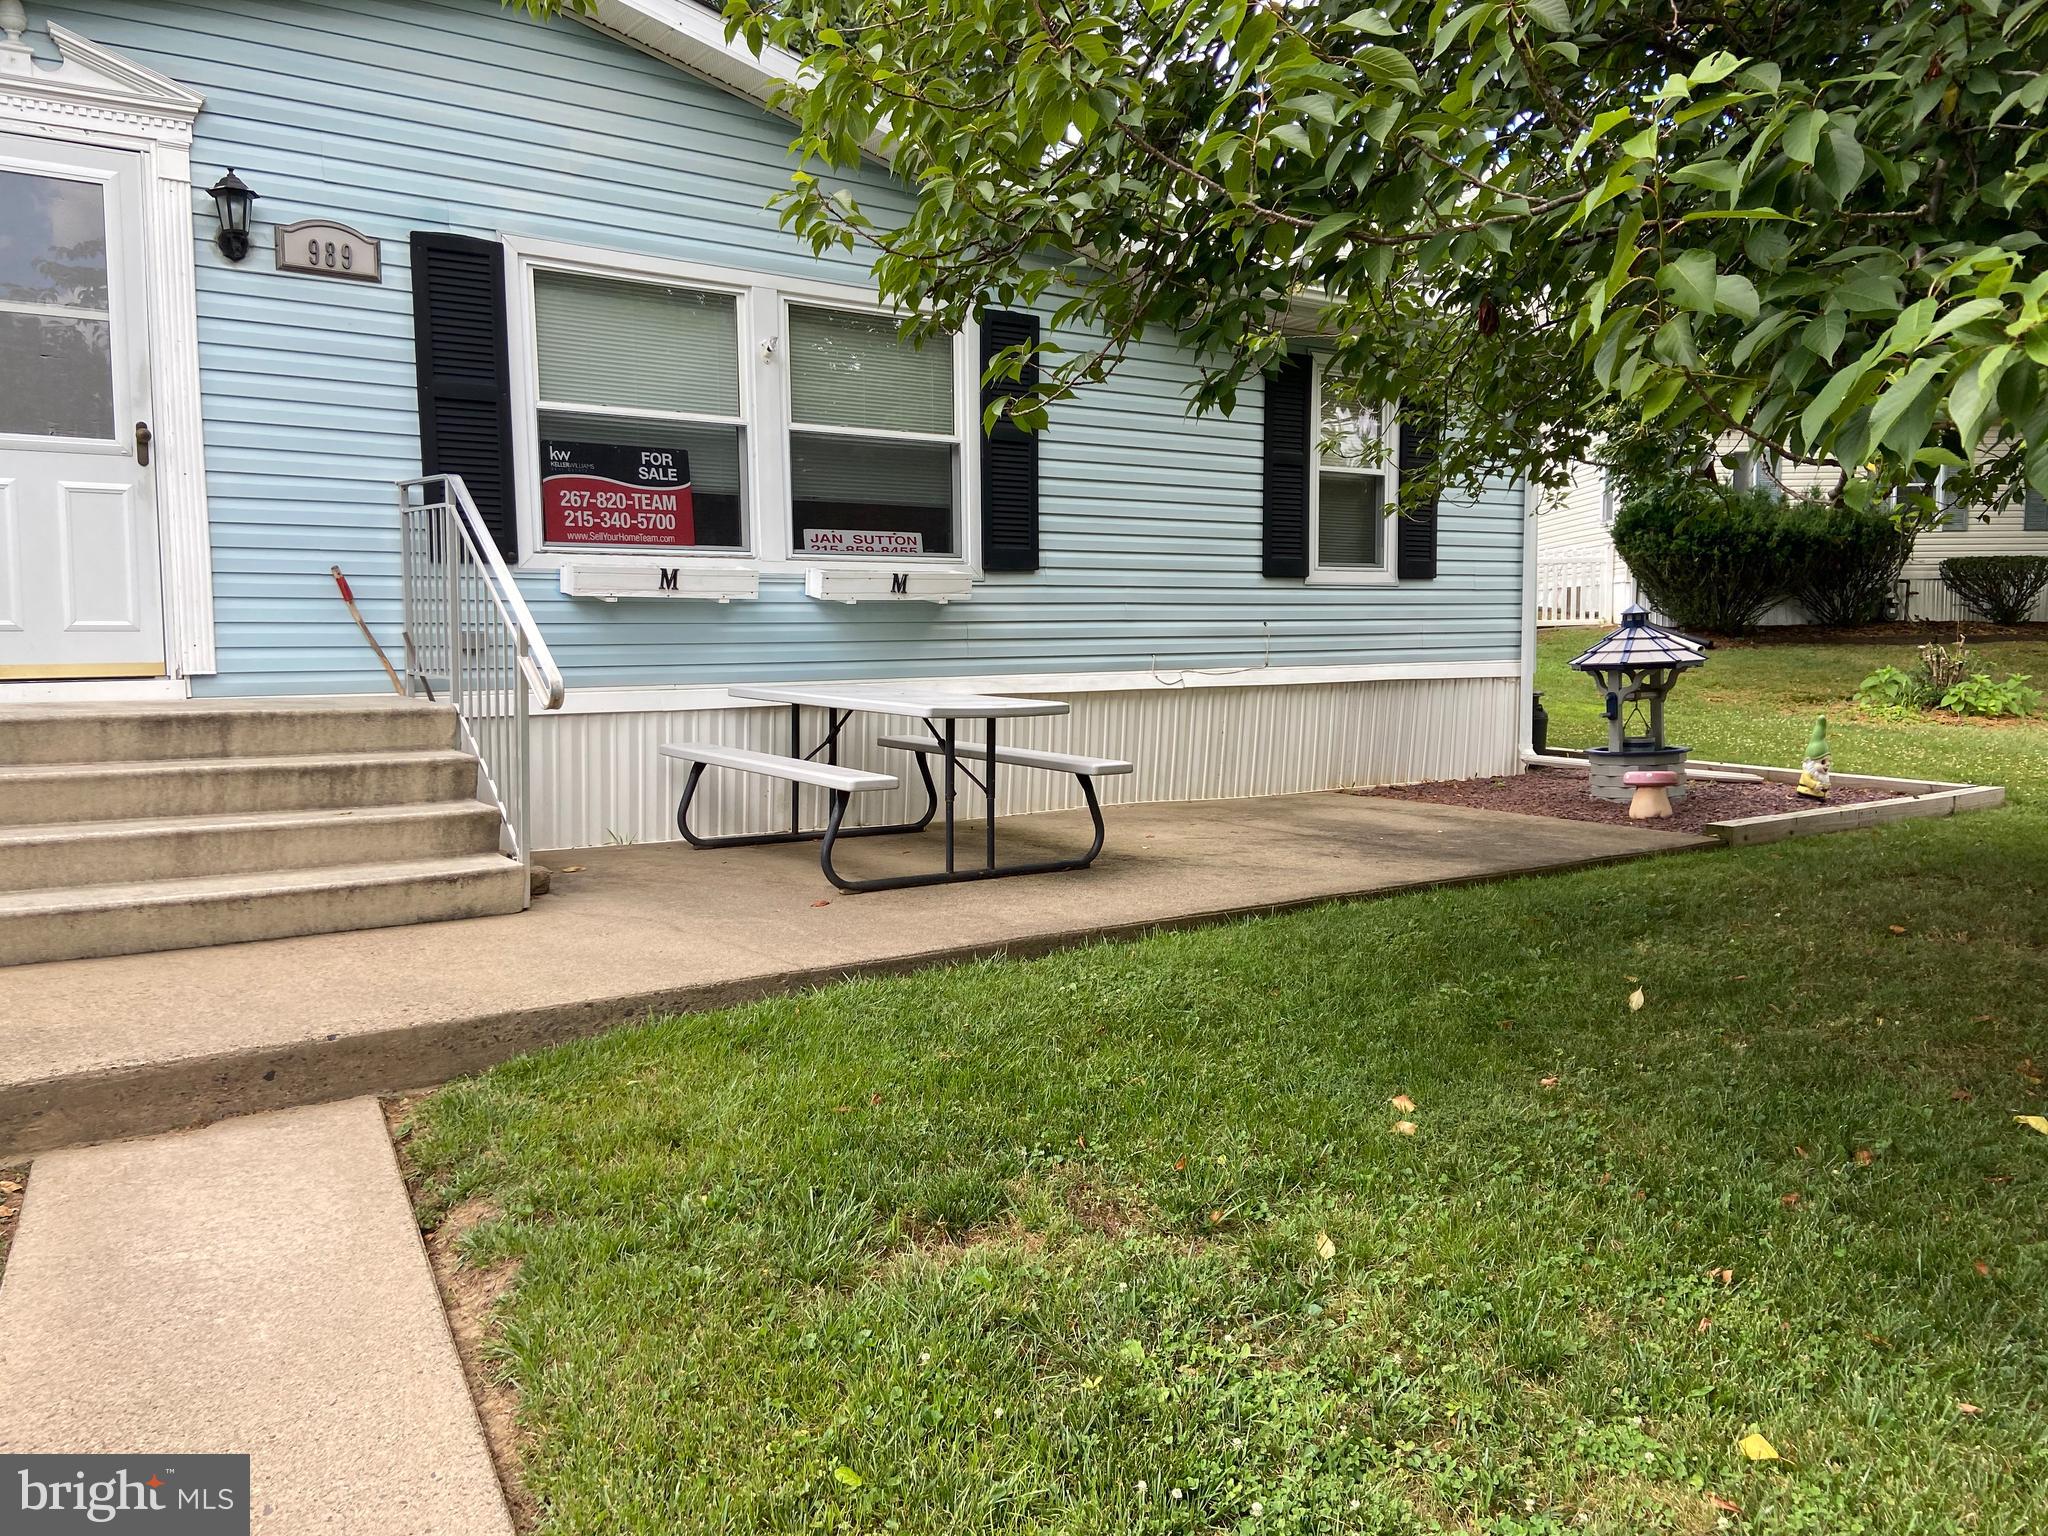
256 1286
214 786
82 922
111 732
78 853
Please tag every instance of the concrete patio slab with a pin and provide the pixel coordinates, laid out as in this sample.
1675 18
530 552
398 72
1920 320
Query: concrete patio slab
91 1049
257 1286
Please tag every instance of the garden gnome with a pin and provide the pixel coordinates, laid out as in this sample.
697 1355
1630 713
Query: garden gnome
1813 773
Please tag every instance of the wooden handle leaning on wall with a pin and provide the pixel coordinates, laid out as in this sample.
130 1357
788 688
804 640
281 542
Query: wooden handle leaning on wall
356 613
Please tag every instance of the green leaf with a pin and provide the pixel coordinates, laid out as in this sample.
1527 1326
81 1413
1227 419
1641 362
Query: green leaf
1802 138
1975 396
1554 14
1766 246
1747 215
1823 334
1369 21
1388 66
1893 416
1813 421
1736 295
1690 280
1714 68
1603 125
1761 334
1326 227
1658 397
848 1477
1966 313
1720 175
1840 163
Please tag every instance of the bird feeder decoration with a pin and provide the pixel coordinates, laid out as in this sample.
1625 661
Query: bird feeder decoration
1636 668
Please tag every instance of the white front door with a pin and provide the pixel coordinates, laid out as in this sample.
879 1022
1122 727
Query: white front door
81 591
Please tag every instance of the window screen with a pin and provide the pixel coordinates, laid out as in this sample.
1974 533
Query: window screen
886 481
642 345
1354 456
640 438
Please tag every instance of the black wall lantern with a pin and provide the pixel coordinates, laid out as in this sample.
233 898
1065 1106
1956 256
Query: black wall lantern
231 199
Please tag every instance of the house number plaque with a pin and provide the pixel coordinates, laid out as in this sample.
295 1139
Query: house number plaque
326 249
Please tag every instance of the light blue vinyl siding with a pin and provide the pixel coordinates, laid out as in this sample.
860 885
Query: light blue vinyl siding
396 115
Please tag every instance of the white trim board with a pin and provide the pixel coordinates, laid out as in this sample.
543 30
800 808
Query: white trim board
95 96
684 698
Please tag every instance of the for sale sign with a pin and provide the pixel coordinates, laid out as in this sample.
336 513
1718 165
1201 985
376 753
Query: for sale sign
615 493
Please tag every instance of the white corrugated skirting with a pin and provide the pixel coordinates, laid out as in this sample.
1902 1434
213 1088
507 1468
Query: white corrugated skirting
599 778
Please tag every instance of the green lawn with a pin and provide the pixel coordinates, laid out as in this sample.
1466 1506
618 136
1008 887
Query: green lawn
1125 1239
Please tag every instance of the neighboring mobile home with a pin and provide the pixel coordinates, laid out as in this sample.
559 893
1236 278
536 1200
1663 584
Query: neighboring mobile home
520 251
1581 579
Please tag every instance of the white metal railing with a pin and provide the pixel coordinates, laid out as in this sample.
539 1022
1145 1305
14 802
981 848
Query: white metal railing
470 641
1572 589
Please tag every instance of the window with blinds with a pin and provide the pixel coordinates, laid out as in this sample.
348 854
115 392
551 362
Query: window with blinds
1354 463
874 437
641 437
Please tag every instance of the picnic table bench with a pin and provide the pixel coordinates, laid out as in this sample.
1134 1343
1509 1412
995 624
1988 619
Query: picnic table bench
941 711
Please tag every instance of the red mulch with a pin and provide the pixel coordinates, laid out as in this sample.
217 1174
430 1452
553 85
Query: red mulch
1562 792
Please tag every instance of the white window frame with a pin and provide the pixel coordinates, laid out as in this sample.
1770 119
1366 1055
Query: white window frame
1388 472
964 391
766 513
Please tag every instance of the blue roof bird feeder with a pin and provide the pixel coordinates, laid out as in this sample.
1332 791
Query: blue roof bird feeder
1636 667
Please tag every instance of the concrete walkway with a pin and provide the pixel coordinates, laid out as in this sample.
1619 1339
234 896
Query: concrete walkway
96 1048
257 1286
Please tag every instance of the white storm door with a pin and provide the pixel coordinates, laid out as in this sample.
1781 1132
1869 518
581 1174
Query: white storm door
81 589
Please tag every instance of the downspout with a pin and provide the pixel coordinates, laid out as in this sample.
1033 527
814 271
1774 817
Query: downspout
1525 738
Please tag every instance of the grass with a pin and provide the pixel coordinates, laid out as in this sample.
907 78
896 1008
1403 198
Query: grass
1125 1239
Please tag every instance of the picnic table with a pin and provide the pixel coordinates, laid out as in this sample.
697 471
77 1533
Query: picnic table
940 710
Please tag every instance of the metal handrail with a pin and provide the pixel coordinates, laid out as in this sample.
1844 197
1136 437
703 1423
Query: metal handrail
470 639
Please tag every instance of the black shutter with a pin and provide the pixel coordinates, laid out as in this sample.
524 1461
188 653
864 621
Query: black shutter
1290 397
1009 454
1415 527
465 373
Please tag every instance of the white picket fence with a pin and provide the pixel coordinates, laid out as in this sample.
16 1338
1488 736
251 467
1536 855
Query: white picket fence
1573 587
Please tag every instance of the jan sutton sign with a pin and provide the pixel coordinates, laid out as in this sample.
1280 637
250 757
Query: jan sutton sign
616 493
323 248
861 541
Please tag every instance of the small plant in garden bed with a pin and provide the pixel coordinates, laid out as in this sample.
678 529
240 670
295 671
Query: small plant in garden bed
1945 677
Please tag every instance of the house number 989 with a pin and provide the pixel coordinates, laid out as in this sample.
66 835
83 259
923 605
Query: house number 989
328 249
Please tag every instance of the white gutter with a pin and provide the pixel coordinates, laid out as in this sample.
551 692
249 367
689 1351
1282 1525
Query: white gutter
684 32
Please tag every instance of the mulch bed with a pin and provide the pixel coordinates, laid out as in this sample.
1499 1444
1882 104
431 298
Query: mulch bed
1916 631
1562 793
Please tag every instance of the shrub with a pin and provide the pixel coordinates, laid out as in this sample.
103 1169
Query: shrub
1844 563
1980 694
1708 557
2000 587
